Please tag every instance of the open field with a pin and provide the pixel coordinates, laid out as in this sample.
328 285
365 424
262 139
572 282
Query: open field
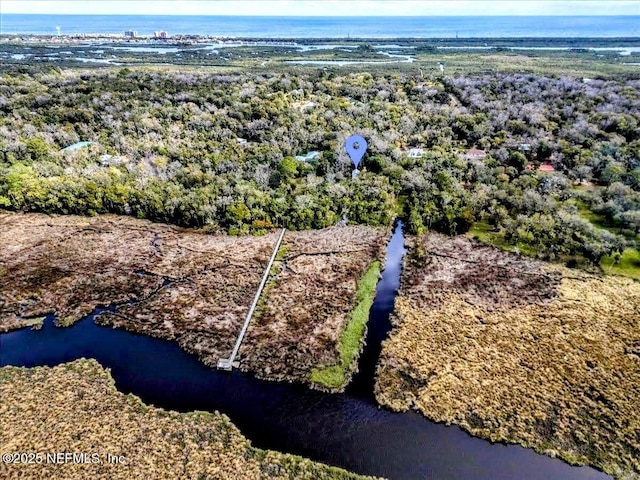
84 413
190 287
516 350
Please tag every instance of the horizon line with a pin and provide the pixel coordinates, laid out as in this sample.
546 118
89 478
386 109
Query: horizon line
302 16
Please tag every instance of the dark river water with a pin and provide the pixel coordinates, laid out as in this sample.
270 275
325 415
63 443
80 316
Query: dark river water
346 430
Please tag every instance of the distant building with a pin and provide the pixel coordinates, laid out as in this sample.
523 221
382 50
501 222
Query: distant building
415 153
309 157
77 146
130 34
105 160
521 147
353 101
475 154
242 142
161 34
543 167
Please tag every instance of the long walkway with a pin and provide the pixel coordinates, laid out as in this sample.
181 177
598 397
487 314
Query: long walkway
227 363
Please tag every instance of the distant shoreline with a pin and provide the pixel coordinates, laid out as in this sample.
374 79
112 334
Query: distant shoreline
357 27
292 41
613 55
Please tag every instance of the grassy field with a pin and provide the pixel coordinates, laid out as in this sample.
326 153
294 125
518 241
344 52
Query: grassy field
486 234
336 376
628 265
516 350
84 413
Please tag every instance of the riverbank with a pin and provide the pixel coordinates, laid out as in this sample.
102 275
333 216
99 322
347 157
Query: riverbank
336 377
516 350
85 414
189 287
348 430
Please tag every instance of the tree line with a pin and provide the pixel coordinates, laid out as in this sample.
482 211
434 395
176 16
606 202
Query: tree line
218 151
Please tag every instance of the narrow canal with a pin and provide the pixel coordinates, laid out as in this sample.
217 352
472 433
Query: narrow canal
347 430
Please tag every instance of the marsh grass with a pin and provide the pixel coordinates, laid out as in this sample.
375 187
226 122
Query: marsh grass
35 323
261 58
335 376
87 414
517 350
307 303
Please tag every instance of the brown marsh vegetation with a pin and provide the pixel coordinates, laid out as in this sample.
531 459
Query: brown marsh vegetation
166 278
183 285
515 350
309 301
84 413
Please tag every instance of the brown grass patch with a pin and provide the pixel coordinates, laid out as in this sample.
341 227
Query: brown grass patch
186 286
75 408
309 300
515 350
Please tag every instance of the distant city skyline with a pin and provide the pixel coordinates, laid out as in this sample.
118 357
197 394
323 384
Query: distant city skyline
323 7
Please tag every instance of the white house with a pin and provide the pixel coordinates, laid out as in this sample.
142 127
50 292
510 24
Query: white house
309 157
416 153
77 146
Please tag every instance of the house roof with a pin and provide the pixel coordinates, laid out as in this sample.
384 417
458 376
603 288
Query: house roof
546 167
308 156
415 152
76 146
474 152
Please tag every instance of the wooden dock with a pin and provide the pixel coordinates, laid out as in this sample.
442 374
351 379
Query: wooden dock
228 364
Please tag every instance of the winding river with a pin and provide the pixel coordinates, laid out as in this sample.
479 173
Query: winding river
348 430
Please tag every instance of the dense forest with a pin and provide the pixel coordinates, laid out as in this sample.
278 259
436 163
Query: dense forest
218 151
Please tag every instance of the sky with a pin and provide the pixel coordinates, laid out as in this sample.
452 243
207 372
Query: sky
323 7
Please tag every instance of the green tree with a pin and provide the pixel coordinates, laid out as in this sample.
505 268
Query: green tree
288 167
37 149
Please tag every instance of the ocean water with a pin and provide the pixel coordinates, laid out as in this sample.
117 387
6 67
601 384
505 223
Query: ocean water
329 27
